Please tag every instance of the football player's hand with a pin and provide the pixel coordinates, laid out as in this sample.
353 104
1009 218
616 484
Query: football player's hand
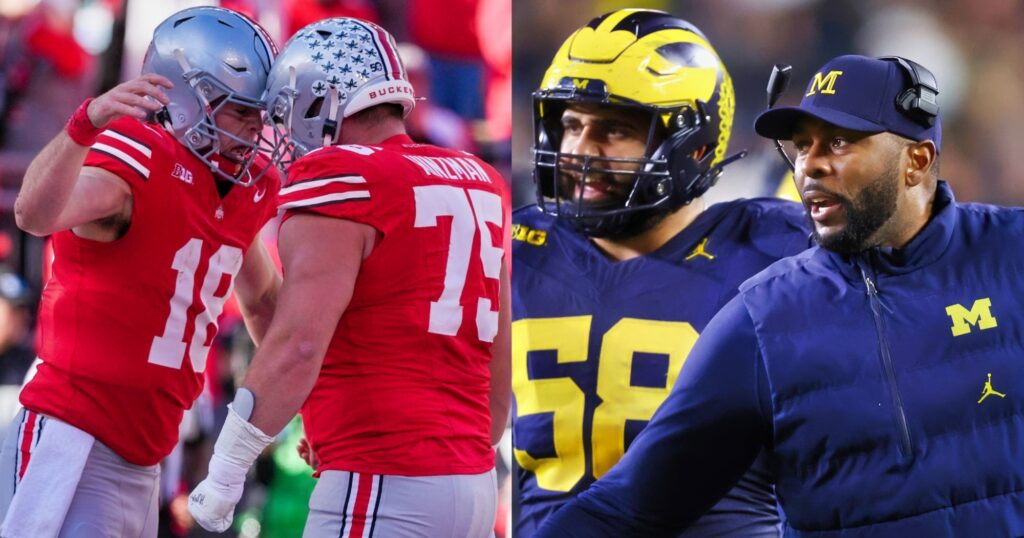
136 98
307 454
212 504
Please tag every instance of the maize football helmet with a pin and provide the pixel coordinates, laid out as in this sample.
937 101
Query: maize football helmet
644 60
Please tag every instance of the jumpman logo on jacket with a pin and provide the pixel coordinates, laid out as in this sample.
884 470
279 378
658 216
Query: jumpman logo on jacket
700 250
989 391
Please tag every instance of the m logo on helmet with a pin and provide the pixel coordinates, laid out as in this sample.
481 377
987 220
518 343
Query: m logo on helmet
824 84
583 86
979 315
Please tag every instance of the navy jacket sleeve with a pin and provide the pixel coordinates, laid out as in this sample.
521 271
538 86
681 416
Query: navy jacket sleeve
698 444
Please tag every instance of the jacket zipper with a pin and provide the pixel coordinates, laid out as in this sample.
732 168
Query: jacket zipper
890 371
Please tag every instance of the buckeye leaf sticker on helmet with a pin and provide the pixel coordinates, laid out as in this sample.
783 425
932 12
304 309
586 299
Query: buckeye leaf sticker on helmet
328 71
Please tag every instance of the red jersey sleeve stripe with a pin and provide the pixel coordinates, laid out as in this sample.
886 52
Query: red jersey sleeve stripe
129 141
326 199
128 160
320 182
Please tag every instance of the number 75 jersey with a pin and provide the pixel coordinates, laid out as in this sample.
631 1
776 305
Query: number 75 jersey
597 345
404 385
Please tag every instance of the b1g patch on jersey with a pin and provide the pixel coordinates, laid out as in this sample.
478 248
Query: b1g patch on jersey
532 236
182 173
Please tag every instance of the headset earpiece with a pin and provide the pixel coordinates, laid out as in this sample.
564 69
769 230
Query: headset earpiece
919 101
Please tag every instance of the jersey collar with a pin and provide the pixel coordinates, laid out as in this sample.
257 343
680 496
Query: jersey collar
398 139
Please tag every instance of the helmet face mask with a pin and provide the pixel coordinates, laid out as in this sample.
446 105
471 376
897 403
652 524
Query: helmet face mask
279 113
637 60
327 72
216 58
646 182
205 138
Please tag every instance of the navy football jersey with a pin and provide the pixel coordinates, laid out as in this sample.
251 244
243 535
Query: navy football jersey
597 345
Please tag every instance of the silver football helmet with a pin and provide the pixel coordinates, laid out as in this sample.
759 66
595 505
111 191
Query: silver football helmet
216 58
328 71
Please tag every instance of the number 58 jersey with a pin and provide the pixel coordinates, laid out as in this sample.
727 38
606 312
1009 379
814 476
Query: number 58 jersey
403 389
597 346
126 326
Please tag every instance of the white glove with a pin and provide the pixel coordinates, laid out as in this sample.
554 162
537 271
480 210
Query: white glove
212 503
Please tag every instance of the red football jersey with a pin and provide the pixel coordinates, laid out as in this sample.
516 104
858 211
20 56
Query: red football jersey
126 326
404 385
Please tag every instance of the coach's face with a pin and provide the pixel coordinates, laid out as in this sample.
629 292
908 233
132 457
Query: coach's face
850 184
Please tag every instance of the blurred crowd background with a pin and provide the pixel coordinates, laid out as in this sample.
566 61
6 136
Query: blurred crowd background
975 50
55 53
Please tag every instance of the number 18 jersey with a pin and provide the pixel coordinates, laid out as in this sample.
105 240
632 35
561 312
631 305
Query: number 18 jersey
404 385
126 326
597 346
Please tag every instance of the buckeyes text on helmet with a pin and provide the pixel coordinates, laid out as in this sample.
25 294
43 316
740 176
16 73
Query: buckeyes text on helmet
329 71
643 60
214 56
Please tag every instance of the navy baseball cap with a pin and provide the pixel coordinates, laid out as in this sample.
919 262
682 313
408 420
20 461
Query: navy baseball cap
853 92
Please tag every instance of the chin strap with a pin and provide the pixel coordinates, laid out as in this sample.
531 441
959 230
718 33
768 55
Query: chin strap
291 94
163 116
187 74
711 176
194 137
331 124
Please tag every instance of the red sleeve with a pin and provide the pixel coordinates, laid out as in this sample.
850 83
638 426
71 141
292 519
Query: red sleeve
125 148
330 186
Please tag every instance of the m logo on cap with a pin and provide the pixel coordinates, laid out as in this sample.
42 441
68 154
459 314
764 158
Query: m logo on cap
824 83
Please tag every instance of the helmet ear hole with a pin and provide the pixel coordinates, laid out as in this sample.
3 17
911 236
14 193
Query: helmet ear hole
314 108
